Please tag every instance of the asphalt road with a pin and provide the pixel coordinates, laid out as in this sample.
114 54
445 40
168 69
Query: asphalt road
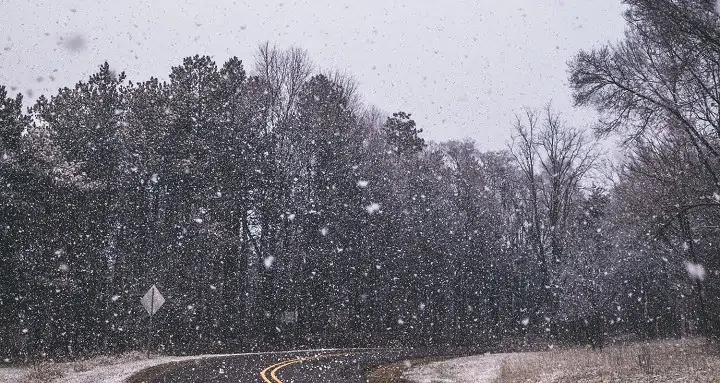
350 366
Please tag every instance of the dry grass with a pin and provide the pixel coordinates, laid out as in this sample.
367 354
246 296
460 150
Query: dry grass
105 360
693 360
43 373
392 373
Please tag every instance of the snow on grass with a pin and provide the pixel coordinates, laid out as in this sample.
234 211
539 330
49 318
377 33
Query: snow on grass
472 369
11 374
112 369
686 360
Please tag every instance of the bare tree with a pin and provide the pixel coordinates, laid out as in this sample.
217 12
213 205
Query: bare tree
565 157
554 160
664 75
523 148
284 72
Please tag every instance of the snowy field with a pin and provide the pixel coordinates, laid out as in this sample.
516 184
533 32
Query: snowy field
100 369
687 360
472 369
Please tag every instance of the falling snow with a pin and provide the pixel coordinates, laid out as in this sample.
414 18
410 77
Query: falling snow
268 261
261 202
695 271
372 208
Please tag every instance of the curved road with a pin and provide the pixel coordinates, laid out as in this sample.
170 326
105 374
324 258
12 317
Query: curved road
349 366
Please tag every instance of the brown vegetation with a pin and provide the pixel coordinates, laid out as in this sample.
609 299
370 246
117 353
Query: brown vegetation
694 360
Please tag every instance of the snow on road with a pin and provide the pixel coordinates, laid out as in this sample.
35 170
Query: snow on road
472 369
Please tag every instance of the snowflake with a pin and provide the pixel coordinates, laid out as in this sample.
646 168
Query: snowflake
268 261
695 270
372 208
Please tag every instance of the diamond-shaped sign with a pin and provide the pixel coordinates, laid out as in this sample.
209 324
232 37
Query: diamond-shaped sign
152 300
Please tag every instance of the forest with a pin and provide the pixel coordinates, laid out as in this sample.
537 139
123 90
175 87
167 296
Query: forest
274 209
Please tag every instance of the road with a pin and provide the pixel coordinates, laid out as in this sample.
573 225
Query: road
349 366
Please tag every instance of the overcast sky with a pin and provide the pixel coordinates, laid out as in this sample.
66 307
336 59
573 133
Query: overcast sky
462 68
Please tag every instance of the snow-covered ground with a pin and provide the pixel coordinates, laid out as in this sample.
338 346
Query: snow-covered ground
107 369
100 369
471 369
671 360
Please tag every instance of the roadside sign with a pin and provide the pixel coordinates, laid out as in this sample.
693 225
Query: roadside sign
152 300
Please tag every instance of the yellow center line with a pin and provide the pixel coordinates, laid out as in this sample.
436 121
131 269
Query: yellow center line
273 370
273 373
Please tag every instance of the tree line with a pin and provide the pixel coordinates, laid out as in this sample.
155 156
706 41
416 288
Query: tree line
273 209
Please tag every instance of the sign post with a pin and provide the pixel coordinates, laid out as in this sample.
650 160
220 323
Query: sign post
152 301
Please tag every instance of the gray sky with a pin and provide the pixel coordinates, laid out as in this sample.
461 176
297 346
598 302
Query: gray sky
461 67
